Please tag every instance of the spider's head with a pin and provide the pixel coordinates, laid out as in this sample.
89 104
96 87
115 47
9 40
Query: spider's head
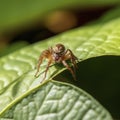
58 51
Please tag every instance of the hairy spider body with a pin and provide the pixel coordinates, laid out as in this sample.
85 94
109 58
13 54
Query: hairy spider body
58 54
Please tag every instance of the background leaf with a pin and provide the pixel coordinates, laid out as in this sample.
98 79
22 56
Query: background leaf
55 101
13 47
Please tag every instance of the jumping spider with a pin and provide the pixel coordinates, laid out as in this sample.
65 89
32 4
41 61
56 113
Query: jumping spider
58 54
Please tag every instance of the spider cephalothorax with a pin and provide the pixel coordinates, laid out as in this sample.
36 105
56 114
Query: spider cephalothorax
58 54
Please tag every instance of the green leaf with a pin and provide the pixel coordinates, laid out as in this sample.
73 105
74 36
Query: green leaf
16 13
13 47
17 69
54 101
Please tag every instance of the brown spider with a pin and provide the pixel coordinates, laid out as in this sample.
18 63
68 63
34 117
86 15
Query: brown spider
58 54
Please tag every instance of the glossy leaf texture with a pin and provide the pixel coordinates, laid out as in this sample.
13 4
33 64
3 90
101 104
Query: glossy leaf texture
53 101
21 13
17 69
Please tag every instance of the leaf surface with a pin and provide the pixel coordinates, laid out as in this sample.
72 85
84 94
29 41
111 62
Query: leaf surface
57 101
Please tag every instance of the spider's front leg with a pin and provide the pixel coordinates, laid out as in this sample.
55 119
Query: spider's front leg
39 63
73 59
43 55
48 65
69 68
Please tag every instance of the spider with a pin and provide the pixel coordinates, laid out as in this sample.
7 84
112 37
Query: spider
58 54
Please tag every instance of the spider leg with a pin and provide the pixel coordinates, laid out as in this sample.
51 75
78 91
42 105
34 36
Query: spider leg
48 65
73 59
44 55
38 66
68 67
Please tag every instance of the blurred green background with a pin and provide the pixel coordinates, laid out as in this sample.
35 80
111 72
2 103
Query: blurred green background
24 22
